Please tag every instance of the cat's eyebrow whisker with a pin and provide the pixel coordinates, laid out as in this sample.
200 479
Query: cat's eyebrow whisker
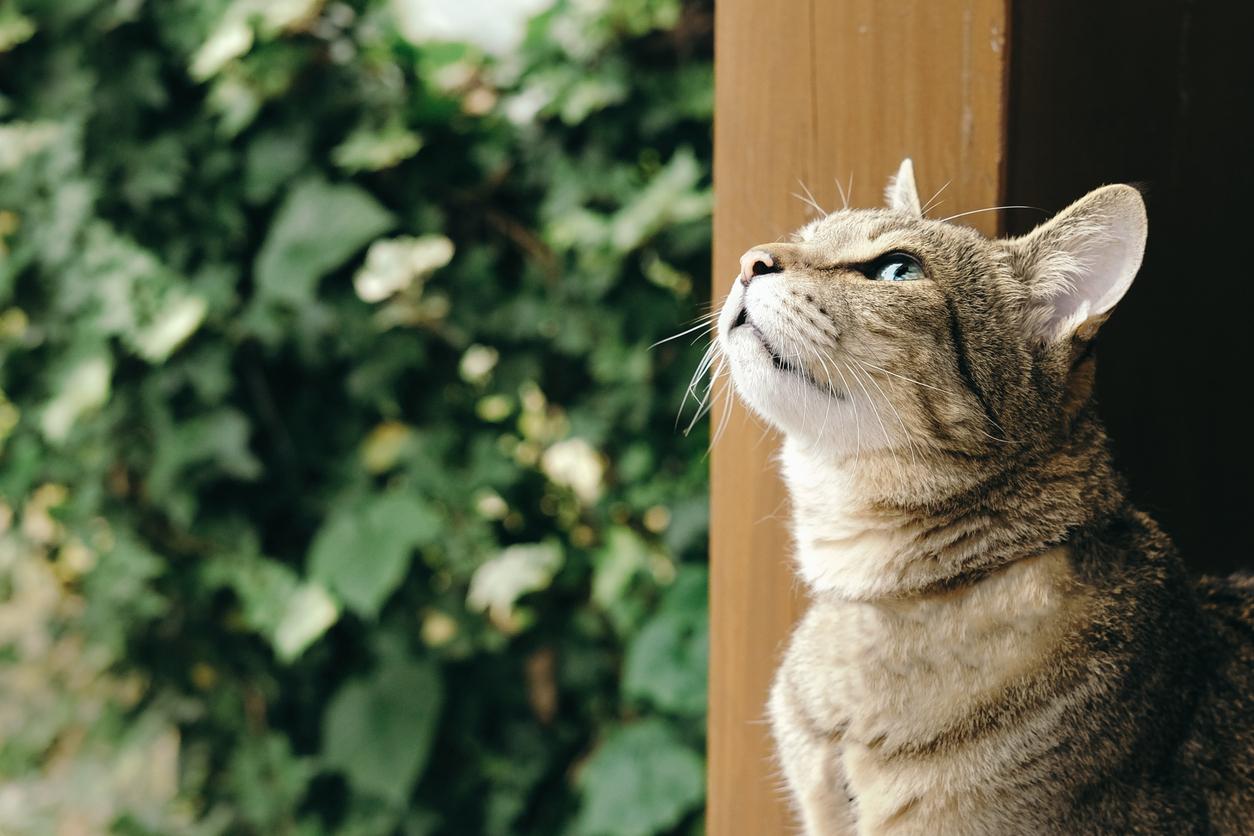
810 194
931 204
810 203
992 209
844 196
809 198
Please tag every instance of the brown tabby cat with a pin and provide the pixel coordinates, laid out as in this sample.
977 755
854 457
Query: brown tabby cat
998 643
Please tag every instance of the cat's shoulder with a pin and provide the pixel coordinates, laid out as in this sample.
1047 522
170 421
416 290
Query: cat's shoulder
1230 597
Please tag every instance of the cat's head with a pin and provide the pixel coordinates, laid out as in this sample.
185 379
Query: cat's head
883 330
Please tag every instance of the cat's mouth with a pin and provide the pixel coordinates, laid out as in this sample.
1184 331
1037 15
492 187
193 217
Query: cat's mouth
778 360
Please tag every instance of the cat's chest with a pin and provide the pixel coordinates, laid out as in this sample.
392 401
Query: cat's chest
901 690
900 672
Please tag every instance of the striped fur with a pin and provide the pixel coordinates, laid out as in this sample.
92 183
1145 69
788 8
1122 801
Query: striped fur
998 641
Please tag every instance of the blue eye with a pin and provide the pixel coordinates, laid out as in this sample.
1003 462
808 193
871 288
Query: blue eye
896 267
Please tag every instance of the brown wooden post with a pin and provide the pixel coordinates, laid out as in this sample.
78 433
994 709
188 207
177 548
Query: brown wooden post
818 91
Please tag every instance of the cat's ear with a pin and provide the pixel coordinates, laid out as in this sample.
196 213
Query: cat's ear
1081 262
902 195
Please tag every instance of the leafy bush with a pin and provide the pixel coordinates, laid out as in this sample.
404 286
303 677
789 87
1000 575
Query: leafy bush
340 491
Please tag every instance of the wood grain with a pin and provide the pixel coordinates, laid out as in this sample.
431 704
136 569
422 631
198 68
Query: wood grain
812 91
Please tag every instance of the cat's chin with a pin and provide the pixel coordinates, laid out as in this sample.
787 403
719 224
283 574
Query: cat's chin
783 392
791 400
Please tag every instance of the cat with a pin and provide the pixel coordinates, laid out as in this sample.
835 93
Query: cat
997 641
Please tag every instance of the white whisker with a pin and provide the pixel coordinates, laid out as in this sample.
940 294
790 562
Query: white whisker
874 409
857 419
831 393
727 410
707 359
844 196
903 377
991 209
931 203
904 429
705 323
809 198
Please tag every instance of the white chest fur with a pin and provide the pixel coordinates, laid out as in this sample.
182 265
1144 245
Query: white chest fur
843 545
887 679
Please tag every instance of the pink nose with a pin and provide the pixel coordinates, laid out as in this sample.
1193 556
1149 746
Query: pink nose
756 263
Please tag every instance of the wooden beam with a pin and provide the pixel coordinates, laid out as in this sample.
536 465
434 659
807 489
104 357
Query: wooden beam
818 91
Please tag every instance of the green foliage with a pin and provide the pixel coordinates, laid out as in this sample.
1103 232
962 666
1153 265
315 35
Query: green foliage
379 732
316 228
641 781
667 659
362 552
340 491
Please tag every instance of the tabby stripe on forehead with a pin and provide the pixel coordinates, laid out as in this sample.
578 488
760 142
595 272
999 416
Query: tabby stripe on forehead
964 364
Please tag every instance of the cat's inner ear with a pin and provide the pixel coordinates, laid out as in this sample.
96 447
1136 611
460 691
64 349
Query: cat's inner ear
1080 263
902 195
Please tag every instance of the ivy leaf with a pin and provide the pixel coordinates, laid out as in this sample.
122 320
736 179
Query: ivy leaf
318 226
378 731
14 29
374 149
268 780
290 613
200 448
273 159
690 524
623 559
672 197
362 552
641 781
666 661
307 613
83 388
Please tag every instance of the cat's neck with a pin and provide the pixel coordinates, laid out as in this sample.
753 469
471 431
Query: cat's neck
882 526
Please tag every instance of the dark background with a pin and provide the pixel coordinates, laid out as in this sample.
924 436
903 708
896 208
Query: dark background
1157 94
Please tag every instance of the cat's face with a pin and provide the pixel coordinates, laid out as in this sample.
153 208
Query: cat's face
879 330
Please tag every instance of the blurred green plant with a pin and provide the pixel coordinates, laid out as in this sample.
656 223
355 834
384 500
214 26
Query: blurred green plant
340 491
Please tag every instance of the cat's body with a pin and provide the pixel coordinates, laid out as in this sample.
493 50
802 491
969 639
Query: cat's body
998 643
1082 688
